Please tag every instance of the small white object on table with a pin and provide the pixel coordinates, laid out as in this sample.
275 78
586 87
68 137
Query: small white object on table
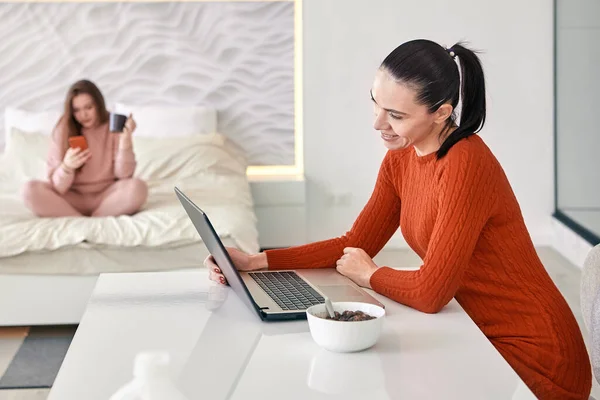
221 350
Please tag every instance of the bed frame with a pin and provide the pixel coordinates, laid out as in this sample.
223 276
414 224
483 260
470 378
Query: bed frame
28 300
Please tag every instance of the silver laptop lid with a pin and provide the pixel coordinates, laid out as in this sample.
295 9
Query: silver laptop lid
213 243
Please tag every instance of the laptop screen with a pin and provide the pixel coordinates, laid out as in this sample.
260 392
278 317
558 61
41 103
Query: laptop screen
213 243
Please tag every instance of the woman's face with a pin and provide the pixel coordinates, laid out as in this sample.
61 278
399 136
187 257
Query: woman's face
84 110
401 121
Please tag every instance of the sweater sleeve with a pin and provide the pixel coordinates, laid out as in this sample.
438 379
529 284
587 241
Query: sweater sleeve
466 198
372 229
60 179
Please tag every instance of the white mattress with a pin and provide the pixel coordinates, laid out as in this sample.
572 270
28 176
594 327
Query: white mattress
208 168
86 259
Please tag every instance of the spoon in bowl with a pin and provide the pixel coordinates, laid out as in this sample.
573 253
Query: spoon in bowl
329 307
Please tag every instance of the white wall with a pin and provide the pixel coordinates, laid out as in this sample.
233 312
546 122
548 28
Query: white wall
344 43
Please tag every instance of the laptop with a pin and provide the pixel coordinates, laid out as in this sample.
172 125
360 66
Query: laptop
275 295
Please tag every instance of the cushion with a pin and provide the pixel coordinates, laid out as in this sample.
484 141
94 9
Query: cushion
162 121
158 159
26 154
42 122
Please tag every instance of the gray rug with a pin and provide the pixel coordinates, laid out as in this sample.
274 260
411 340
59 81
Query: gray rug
39 358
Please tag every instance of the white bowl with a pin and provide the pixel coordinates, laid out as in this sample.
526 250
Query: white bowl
345 336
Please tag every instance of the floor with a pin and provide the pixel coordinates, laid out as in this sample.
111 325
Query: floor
10 340
565 275
588 218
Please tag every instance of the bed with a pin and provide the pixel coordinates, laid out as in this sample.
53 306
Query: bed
173 65
48 265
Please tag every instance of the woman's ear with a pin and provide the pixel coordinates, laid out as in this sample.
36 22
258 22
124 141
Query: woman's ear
443 113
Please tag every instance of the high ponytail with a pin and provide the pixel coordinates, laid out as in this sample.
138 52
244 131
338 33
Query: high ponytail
432 70
472 92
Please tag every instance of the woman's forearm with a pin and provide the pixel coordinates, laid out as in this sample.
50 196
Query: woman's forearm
260 261
125 142
125 163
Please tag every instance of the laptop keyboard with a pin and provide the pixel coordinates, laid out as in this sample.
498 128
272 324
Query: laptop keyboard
287 289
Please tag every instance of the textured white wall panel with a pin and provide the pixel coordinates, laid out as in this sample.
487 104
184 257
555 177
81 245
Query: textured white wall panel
235 57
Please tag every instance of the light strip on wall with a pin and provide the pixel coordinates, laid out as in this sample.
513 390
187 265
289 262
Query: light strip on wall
296 170
147 1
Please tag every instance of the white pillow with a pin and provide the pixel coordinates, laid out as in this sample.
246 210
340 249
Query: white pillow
158 159
42 122
26 154
170 159
158 121
30 121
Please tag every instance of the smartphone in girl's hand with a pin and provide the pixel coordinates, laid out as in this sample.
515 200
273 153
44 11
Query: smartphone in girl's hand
78 141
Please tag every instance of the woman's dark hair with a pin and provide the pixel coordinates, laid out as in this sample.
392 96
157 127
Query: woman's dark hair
70 124
431 71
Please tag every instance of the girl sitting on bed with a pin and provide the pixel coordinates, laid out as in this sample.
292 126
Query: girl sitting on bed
96 181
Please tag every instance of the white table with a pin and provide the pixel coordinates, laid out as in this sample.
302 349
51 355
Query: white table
221 350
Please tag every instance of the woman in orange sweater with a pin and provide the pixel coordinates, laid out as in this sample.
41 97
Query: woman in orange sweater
445 189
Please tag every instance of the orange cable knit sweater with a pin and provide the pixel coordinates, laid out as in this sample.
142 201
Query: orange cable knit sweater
460 215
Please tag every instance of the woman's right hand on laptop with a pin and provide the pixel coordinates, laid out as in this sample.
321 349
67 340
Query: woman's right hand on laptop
241 260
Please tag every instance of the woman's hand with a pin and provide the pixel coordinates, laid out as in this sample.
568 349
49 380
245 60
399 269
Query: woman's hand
357 265
130 126
75 158
241 260
125 141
